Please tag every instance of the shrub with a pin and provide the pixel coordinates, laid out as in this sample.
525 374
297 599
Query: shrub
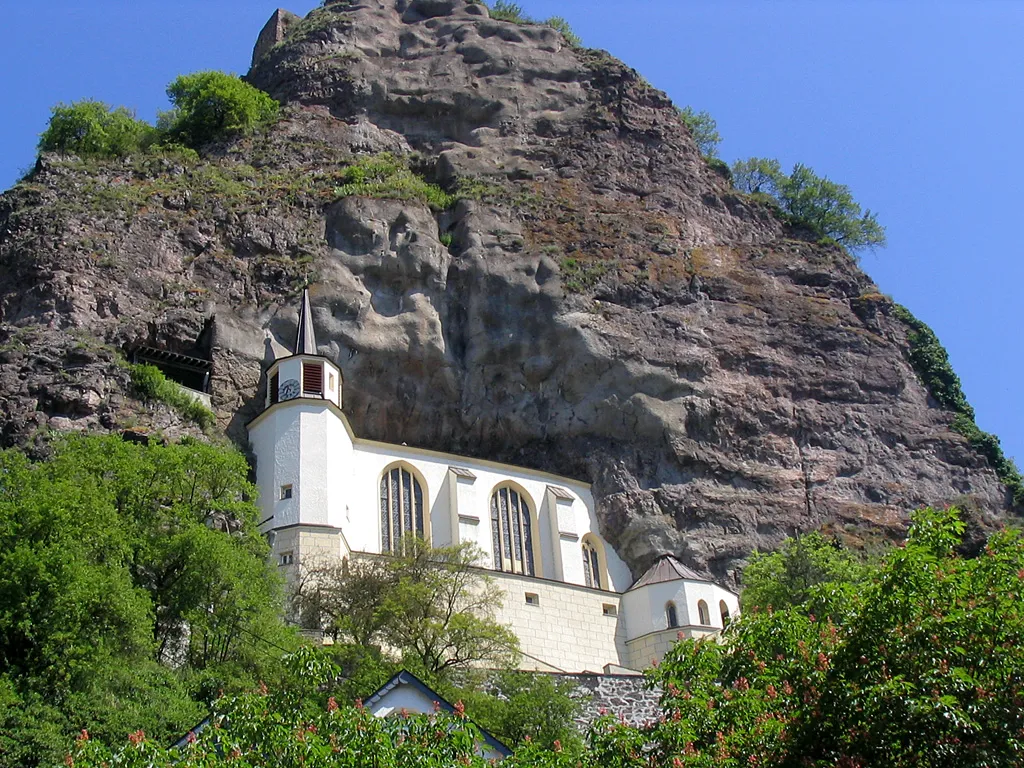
387 176
757 176
505 11
559 24
93 129
930 362
209 106
150 384
828 209
704 130
810 201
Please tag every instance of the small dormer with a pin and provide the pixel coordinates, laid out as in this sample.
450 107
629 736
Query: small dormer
305 374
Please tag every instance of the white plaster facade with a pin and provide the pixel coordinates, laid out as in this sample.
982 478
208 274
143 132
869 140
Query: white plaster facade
320 490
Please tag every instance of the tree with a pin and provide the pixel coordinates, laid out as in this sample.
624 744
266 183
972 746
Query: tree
925 667
810 201
525 707
792 575
133 582
703 128
211 106
828 209
93 129
757 175
432 604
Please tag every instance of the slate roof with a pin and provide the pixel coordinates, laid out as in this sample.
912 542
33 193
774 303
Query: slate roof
408 678
305 339
667 568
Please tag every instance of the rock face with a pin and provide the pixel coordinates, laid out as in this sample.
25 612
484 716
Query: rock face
599 303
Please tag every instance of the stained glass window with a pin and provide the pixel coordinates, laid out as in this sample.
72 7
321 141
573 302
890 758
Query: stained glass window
591 564
401 507
512 532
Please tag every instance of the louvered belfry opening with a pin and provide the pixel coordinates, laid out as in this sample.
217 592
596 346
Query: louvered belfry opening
275 386
313 379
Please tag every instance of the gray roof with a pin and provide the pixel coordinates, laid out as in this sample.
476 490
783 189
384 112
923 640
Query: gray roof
406 677
666 569
305 339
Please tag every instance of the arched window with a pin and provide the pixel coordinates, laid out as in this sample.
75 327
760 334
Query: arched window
702 613
401 507
724 610
671 616
591 563
512 532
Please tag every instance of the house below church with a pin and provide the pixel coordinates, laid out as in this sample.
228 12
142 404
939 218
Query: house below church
326 493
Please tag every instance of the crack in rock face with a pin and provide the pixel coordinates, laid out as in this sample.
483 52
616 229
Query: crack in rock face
598 303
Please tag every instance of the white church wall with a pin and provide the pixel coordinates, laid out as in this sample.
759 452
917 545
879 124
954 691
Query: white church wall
275 440
564 627
645 608
472 497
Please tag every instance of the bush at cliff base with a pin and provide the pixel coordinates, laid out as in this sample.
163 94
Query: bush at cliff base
923 665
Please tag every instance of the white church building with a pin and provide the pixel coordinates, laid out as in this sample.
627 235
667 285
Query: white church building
325 492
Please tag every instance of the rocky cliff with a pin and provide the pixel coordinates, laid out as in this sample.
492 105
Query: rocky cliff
598 303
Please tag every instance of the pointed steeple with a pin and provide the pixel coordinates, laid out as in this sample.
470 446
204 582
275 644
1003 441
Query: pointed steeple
305 340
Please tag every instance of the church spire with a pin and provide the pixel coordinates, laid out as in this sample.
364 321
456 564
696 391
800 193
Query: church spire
305 340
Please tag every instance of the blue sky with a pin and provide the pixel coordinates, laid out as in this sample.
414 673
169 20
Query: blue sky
916 105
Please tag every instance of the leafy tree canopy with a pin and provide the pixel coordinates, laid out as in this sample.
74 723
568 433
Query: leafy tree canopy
804 571
811 201
207 106
92 128
133 582
431 604
704 130
210 106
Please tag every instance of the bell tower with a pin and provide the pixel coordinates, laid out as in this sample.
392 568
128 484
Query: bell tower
303 452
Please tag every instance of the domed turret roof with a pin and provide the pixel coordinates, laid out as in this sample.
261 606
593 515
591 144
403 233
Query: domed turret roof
667 568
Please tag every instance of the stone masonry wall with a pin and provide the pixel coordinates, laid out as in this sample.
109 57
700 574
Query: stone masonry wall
623 696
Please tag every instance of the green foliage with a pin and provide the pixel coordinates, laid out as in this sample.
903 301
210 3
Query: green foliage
559 24
93 129
923 665
212 106
810 201
208 106
430 604
988 446
149 383
506 11
293 727
757 175
526 708
931 363
828 209
806 570
924 669
579 275
703 128
123 603
387 176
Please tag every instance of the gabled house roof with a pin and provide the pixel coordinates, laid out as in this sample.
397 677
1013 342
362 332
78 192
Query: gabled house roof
377 701
667 568
405 679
